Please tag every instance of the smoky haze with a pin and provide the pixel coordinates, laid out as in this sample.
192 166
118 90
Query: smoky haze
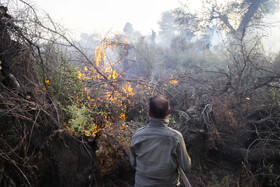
186 37
172 26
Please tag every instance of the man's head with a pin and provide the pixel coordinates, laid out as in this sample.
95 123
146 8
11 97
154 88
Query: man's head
159 106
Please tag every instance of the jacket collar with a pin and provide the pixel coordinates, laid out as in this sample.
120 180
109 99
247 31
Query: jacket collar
157 122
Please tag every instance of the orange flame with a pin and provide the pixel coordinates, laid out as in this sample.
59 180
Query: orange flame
107 98
125 40
174 82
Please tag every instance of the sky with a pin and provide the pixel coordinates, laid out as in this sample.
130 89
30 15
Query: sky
101 16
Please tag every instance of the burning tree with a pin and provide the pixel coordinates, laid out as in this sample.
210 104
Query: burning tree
102 90
37 142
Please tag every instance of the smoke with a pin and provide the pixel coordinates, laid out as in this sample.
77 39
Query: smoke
129 33
272 41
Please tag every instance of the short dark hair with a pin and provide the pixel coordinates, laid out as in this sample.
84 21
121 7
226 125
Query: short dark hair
159 106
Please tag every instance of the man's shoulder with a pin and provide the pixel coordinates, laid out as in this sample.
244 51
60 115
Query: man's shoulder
139 131
167 131
175 132
161 131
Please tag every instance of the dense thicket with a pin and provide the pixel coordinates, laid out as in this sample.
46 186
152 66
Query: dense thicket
66 118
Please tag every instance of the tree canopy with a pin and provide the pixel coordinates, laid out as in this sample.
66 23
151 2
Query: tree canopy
233 15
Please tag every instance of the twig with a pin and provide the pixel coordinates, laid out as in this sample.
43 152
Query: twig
6 157
31 131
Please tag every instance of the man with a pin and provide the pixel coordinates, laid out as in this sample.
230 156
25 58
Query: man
157 151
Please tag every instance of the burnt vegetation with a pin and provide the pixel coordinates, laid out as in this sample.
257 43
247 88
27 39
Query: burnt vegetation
67 113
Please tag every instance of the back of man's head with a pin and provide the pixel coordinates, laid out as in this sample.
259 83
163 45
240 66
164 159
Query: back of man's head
159 106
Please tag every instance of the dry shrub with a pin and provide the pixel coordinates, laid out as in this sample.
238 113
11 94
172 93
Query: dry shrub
123 132
107 154
223 112
213 135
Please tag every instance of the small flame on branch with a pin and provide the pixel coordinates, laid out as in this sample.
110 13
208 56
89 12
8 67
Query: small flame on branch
174 81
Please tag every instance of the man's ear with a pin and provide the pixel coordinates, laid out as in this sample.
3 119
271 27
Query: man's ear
168 111
150 114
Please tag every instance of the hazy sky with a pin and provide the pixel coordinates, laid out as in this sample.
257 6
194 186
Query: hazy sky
102 15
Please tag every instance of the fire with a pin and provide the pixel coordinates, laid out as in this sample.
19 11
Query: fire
128 90
105 97
103 91
174 82
79 75
125 40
